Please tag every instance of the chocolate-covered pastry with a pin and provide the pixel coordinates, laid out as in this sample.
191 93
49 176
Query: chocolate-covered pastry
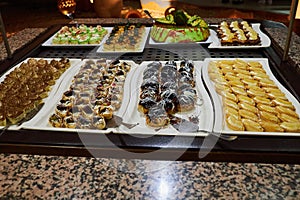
164 89
145 104
157 116
185 103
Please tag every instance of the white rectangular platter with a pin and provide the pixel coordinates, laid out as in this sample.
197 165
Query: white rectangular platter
208 41
54 88
128 110
265 40
220 124
140 49
40 121
203 110
49 43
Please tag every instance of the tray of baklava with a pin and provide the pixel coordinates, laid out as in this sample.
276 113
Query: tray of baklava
26 87
248 99
119 96
238 35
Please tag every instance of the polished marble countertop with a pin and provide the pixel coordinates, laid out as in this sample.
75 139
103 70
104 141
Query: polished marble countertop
56 177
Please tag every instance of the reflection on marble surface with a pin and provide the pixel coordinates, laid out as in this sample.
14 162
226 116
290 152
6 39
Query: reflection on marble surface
20 39
57 177
280 36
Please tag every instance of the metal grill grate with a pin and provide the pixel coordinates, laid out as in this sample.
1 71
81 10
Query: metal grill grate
161 53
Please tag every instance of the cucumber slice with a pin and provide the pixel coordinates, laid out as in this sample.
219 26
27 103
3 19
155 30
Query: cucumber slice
164 21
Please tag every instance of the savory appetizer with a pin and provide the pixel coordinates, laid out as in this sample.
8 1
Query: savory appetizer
82 34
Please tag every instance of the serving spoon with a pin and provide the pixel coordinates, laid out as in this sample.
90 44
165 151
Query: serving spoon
148 13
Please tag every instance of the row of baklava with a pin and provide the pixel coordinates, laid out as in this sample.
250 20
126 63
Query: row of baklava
24 88
251 99
165 90
95 93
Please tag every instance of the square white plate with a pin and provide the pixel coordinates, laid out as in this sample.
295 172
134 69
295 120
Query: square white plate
48 42
140 49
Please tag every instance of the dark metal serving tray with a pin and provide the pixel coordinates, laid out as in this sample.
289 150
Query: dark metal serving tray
243 149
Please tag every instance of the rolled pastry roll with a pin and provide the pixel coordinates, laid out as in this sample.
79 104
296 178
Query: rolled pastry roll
251 125
288 111
270 126
248 115
234 124
291 126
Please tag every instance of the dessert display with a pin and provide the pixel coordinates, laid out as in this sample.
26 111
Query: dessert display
251 100
152 98
166 89
95 93
129 37
178 27
237 33
82 34
24 88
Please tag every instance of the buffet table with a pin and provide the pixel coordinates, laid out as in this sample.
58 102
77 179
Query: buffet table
245 148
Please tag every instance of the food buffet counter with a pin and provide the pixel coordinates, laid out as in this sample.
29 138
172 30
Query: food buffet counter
41 164
245 148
